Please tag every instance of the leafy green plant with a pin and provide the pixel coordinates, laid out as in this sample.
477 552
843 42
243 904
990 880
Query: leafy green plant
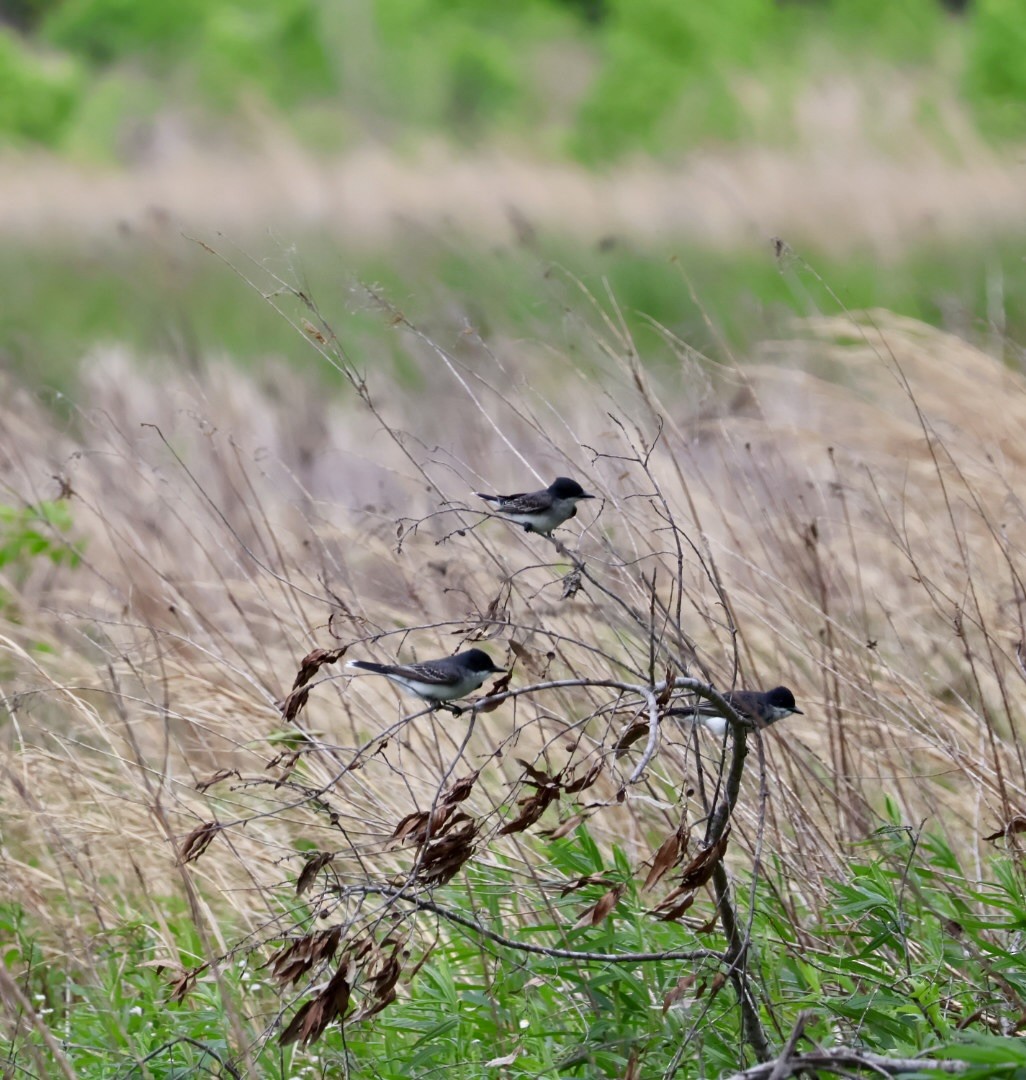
38 92
995 74
107 30
655 54
31 532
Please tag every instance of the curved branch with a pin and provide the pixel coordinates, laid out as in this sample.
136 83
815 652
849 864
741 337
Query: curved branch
524 946
841 1060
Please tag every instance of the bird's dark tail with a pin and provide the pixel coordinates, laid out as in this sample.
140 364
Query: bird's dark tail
367 665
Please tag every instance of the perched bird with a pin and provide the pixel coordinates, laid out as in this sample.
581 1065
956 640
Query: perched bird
438 681
540 511
756 708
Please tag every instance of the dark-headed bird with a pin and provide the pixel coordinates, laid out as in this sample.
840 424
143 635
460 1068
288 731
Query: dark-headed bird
756 708
438 681
540 511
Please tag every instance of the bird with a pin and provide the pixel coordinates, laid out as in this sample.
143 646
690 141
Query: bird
540 511
438 681
756 708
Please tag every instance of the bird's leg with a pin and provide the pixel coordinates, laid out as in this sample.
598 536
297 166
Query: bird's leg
454 709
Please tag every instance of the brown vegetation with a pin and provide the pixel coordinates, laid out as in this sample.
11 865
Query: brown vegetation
839 514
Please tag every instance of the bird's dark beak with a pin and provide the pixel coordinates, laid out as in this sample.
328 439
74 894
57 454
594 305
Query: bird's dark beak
587 496
797 712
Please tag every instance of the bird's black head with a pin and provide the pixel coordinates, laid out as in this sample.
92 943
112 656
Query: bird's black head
565 488
782 698
477 660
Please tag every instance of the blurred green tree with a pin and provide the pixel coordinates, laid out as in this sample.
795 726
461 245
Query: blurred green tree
996 67
654 50
37 91
107 30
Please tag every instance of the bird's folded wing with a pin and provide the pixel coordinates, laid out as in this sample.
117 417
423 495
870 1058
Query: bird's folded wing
526 504
433 674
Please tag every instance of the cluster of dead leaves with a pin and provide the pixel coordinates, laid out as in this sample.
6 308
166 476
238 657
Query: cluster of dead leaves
549 788
671 852
693 877
365 965
445 836
292 961
293 704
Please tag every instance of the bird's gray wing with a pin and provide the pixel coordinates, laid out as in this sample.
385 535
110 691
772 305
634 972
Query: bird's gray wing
432 672
531 502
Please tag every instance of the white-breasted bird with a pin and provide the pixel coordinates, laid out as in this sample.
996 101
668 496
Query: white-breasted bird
757 708
438 681
540 511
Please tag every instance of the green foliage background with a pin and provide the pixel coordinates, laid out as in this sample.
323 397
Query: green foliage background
655 75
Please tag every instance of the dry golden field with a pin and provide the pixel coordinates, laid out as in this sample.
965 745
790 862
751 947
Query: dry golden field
840 513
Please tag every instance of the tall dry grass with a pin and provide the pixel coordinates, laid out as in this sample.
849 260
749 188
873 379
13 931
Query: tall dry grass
839 513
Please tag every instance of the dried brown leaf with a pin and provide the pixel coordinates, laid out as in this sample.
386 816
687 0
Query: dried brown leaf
584 781
701 867
294 959
373 1007
422 826
582 882
633 734
198 841
710 926
313 867
184 983
683 985
443 858
599 911
308 1023
537 777
383 980
667 692
672 907
314 661
311 331
294 703
380 983
497 606
461 788
308 667
564 828
288 763
532 809
1014 825
358 949
500 686
312 1020
410 825
435 825
221 774
668 855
